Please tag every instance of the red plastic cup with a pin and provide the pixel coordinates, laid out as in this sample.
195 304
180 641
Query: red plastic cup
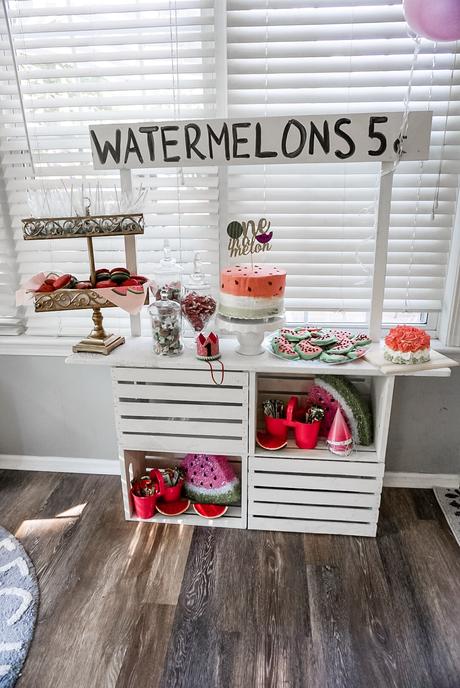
276 427
172 494
306 434
144 507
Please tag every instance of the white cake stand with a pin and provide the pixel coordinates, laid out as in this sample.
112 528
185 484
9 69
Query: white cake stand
250 333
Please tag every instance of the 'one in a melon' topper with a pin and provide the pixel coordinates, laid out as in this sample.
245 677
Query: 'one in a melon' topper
247 237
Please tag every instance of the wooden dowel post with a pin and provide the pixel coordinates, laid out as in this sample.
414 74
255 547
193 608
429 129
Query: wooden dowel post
126 182
381 248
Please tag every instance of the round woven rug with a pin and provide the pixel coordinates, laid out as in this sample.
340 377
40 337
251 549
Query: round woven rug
18 607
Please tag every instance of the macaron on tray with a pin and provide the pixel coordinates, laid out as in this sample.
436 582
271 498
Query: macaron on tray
105 278
308 343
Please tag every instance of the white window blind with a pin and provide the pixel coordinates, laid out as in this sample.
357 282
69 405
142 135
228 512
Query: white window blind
304 57
83 62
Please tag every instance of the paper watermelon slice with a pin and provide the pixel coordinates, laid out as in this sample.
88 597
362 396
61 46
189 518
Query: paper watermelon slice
307 350
210 479
331 391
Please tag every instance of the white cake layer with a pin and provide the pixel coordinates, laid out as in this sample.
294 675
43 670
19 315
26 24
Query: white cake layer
250 302
420 356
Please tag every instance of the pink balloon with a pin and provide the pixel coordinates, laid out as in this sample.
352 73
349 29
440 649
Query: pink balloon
438 20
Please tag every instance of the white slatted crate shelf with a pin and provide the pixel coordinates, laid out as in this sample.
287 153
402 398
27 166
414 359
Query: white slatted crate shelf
137 463
180 410
314 496
292 451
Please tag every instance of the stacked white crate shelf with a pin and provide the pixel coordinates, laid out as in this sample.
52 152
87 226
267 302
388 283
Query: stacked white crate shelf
168 407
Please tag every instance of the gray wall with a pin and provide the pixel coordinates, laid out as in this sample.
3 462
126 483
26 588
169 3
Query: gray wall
49 408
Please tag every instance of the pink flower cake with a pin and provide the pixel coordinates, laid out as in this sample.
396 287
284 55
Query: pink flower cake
210 479
252 292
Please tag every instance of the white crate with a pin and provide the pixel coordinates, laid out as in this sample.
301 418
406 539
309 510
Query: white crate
137 463
180 410
313 491
314 496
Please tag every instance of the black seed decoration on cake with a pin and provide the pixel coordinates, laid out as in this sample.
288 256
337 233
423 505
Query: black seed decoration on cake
222 286
249 289
236 282
270 283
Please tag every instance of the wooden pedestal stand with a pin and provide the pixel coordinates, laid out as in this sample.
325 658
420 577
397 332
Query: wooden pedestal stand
98 340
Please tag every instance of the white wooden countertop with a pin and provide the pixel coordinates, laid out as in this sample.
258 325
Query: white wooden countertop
137 352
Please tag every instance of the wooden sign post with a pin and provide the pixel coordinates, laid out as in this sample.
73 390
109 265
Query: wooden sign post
361 137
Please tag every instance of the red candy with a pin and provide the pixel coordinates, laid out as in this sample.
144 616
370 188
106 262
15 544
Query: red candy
103 284
83 285
198 308
46 287
62 281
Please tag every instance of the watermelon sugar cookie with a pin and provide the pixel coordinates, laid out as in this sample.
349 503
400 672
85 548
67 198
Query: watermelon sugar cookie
307 350
281 347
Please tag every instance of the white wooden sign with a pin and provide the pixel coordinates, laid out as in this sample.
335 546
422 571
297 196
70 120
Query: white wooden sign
319 138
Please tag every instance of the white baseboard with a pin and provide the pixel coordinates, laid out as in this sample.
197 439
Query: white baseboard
420 480
60 464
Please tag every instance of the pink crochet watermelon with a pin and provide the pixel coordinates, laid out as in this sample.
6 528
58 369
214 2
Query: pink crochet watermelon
210 479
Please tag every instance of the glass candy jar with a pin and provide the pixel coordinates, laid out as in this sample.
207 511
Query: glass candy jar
198 305
168 276
166 326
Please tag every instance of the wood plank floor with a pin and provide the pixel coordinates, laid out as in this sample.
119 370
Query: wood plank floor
126 605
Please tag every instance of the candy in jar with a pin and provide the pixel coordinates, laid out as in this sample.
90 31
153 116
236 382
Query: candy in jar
166 326
198 305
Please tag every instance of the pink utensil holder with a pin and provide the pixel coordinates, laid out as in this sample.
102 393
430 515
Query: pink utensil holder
306 434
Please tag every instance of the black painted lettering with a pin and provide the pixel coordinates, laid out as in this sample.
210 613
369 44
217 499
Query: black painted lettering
346 137
377 135
238 140
212 136
303 137
169 142
191 145
132 146
150 142
102 153
260 153
322 137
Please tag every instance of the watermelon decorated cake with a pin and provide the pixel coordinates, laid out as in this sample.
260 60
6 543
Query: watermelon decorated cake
252 292
210 479
405 344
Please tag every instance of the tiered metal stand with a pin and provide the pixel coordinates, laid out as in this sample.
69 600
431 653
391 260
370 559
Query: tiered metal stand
88 226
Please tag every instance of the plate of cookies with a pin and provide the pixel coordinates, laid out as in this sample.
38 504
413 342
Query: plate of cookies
325 345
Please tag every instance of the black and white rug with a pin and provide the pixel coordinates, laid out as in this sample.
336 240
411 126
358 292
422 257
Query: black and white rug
449 501
18 607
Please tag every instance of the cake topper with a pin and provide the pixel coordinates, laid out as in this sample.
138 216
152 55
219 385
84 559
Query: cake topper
247 237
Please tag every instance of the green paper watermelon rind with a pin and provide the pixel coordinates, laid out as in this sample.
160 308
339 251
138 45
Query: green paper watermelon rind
211 496
356 408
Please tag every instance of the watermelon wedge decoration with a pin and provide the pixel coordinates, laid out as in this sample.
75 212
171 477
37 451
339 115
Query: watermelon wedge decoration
334 391
210 479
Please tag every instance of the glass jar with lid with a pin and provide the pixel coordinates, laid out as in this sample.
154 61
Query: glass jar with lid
168 276
198 304
166 320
